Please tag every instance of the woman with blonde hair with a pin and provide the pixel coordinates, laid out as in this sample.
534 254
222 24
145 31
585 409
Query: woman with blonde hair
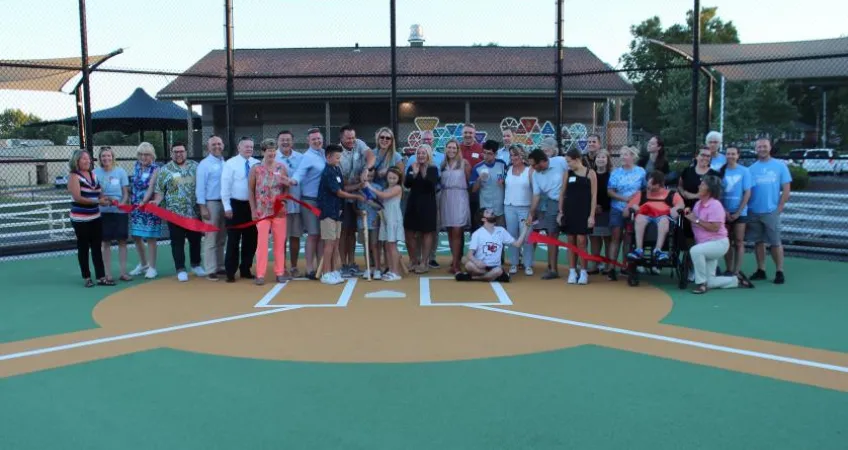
145 226
386 158
86 199
115 183
454 206
624 183
518 195
420 217
266 181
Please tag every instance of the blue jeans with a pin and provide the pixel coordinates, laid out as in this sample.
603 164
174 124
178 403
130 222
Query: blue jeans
514 215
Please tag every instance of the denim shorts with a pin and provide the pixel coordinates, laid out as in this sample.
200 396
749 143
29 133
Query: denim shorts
616 218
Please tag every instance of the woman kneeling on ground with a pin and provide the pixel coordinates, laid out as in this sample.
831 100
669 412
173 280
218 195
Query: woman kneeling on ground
711 243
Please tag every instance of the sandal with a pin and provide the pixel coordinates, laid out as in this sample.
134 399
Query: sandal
89 283
105 282
744 281
126 277
701 289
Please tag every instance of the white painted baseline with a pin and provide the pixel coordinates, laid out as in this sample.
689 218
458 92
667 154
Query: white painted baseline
659 337
122 337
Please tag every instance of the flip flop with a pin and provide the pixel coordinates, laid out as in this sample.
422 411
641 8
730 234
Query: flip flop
744 281
702 289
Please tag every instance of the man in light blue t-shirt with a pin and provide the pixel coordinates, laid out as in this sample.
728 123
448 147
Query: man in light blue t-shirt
547 184
769 193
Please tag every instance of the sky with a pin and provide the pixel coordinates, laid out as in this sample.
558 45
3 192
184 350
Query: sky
171 35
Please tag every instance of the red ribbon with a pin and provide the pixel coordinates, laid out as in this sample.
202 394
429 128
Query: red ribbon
538 238
203 227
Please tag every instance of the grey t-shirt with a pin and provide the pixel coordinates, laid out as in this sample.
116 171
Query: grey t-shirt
492 189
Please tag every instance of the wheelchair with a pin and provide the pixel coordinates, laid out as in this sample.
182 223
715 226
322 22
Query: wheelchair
675 245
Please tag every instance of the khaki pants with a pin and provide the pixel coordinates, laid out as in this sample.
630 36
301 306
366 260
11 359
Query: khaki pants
213 242
705 258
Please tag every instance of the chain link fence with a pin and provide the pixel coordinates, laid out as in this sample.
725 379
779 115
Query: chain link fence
795 96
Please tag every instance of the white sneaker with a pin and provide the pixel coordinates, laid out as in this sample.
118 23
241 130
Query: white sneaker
139 269
329 278
338 277
572 276
513 270
151 273
390 276
528 270
602 267
376 275
199 271
182 276
584 277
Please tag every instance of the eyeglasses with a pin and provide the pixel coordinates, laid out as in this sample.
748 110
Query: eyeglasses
385 138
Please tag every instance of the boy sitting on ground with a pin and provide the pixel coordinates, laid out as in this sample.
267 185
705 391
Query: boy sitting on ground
655 205
331 194
483 261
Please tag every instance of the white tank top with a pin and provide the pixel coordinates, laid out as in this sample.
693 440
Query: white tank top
518 192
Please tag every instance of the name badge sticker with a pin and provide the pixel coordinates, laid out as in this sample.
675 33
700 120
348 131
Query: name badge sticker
339 179
114 181
572 179
475 155
145 175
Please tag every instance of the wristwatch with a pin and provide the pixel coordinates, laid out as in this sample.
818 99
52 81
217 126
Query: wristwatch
697 221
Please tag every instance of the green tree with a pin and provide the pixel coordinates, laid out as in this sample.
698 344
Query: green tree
762 107
645 56
13 125
12 122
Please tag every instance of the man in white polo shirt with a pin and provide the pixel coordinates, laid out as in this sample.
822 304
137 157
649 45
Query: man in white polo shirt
208 193
234 196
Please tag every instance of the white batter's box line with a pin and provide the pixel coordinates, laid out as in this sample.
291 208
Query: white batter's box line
342 302
426 299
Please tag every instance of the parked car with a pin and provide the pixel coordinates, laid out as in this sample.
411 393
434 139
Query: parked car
821 161
61 182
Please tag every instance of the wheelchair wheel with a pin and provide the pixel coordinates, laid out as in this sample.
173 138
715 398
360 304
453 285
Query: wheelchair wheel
683 274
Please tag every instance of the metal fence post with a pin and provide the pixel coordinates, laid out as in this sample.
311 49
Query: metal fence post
87 134
696 66
558 112
228 38
393 96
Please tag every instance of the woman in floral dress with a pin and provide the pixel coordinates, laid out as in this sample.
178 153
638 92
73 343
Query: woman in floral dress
145 226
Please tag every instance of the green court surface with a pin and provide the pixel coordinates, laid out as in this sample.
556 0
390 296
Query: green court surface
587 396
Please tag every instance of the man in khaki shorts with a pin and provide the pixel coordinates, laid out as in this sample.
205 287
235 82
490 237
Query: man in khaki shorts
331 196
294 219
308 177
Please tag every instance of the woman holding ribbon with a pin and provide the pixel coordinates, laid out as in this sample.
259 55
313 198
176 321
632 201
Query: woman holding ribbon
144 226
267 182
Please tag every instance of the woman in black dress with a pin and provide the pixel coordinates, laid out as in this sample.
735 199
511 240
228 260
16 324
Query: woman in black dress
421 179
690 180
578 200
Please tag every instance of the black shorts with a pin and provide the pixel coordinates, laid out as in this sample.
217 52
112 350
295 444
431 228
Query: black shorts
115 226
350 217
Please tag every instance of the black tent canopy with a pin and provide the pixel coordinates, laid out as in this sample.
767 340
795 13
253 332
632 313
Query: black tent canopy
139 112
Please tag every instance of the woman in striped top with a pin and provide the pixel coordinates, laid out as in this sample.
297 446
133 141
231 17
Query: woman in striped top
86 198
